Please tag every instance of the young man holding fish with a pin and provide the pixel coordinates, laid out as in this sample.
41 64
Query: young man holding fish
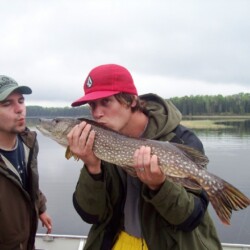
147 212
21 201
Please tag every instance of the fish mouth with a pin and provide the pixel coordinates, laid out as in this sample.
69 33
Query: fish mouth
104 124
42 130
44 126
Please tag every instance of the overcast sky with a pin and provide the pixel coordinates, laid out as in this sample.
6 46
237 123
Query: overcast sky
171 47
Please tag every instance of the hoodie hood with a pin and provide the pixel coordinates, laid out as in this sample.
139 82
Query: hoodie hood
164 117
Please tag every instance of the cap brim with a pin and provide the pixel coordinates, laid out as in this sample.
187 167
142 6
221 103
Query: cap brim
92 97
21 89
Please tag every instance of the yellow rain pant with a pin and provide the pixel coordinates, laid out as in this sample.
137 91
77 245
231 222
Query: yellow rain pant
128 242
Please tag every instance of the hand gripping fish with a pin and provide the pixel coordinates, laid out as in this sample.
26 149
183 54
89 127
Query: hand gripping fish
180 163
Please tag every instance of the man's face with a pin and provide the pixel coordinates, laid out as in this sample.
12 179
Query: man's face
13 114
111 113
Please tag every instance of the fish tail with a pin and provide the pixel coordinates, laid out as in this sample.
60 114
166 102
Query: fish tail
227 199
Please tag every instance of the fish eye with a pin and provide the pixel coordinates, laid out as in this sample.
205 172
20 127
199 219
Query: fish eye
56 121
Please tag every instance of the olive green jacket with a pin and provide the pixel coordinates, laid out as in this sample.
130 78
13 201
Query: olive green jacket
20 208
100 201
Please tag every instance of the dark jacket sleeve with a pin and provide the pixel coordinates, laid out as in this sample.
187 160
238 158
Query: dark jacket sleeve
42 202
90 207
95 197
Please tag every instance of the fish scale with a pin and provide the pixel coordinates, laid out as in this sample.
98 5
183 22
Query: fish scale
181 164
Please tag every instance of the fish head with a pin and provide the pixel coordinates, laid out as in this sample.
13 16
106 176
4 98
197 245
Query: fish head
57 129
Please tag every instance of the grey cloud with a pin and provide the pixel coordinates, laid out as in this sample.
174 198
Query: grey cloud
53 43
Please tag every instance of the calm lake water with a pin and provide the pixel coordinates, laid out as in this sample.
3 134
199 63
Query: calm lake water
227 149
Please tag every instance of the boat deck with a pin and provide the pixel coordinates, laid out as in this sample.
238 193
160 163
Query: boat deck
74 242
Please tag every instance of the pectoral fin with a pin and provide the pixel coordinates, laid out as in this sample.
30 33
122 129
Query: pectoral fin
69 154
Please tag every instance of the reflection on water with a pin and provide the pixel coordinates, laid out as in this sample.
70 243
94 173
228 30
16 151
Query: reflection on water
240 127
58 178
229 155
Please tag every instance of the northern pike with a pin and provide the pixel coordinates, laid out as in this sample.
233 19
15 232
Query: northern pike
181 164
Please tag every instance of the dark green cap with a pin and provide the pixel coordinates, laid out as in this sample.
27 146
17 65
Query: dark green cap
8 85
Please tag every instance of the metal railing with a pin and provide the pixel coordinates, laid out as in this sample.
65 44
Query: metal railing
49 239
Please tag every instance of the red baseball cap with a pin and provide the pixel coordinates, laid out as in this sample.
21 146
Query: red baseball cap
106 80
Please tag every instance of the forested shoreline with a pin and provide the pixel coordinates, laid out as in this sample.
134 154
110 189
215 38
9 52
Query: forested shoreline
238 104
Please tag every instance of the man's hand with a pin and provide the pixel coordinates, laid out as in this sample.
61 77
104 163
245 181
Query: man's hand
81 141
46 221
147 168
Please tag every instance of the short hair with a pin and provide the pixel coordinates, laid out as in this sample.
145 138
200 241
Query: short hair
127 99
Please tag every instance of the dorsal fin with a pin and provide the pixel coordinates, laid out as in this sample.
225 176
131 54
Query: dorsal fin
193 154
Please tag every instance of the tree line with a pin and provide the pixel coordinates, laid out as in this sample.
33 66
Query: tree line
238 104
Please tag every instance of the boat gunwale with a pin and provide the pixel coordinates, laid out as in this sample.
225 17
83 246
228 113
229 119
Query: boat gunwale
67 236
